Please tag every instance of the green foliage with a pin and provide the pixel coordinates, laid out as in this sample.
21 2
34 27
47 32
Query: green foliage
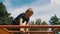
38 21
5 17
44 23
54 20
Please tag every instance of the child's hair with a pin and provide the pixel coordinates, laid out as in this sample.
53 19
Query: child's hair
29 10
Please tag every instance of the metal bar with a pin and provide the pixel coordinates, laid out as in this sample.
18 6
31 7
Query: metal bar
34 31
30 26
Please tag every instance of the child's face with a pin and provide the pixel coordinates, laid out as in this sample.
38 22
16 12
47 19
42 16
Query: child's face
28 14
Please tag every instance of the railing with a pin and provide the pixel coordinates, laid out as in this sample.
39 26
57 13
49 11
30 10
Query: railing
57 27
32 26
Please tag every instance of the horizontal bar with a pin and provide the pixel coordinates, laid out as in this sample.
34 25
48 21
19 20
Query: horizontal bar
33 31
30 26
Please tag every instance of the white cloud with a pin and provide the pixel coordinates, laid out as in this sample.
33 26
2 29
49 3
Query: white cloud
57 2
43 12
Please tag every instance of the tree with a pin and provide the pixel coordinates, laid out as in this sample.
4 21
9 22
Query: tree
38 21
54 20
44 23
5 17
58 23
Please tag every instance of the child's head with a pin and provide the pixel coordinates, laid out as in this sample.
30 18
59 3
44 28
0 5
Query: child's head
28 13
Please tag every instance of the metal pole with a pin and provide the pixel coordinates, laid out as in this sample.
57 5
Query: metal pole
30 26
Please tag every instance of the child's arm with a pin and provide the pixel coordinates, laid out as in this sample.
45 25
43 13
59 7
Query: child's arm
20 24
27 25
20 21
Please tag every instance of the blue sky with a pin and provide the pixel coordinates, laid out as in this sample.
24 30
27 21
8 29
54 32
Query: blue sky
18 3
43 9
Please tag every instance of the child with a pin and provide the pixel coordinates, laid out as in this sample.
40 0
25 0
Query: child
24 16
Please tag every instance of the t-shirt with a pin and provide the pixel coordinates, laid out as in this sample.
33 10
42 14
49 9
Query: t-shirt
16 21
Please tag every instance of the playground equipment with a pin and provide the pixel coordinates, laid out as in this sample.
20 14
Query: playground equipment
3 29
